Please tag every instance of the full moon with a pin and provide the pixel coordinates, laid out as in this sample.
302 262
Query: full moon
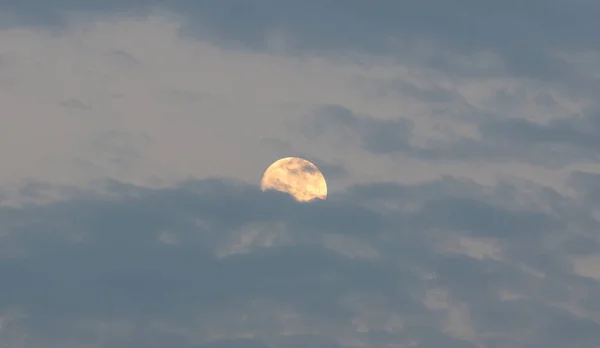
297 177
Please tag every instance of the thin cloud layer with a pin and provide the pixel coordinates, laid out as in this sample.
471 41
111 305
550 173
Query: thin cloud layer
458 141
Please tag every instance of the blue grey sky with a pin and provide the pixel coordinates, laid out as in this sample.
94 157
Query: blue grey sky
460 142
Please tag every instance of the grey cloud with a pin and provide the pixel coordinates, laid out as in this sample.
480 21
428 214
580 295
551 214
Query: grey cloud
94 257
398 87
235 344
556 144
283 148
587 184
75 104
118 147
125 58
377 136
329 170
299 341
209 261
524 34
578 131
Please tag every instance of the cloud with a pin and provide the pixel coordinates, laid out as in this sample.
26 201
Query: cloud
587 184
110 86
458 141
301 272
556 144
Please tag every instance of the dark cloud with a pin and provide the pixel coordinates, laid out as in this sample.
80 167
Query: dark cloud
94 257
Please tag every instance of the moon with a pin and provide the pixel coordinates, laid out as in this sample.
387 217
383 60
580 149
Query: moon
297 177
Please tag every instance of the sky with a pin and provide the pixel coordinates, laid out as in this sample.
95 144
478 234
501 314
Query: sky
460 142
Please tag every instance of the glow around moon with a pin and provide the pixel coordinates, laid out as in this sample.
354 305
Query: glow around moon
296 176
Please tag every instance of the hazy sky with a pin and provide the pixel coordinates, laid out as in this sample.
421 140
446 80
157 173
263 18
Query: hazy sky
460 141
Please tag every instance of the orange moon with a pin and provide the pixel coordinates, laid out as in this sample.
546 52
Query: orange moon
297 177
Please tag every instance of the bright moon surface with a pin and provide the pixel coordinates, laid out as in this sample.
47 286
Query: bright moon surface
296 176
